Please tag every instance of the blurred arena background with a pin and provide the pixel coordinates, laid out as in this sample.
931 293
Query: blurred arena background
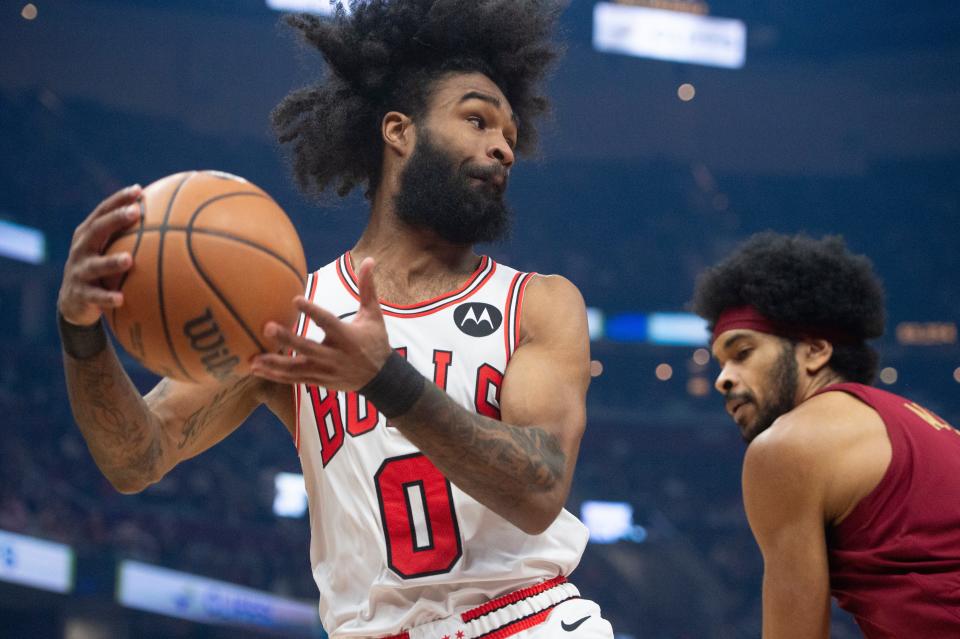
680 128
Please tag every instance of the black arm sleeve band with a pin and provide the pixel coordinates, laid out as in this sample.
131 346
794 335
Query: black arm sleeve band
82 342
396 388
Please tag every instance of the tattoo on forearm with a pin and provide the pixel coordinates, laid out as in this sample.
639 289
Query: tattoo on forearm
492 456
200 418
111 414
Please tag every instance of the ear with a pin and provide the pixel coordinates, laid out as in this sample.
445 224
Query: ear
398 133
814 354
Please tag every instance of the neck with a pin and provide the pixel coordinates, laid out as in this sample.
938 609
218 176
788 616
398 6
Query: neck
813 385
407 253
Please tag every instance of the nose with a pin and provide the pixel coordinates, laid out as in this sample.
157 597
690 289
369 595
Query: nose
501 152
725 381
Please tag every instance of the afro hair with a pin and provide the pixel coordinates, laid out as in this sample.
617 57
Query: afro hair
385 55
804 282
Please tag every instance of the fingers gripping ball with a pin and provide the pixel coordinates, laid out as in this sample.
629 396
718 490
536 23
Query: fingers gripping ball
214 259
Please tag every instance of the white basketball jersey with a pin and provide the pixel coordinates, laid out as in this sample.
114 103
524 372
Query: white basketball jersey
393 543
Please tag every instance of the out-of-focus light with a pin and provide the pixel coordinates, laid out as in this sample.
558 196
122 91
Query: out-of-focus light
888 375
29 11
660 34
956 375
627 327
186 596
664 372
595 322
926 333
701 356
321 7
596 368
698 386
22 243
686 91
610 521
37 563
290 499
677 329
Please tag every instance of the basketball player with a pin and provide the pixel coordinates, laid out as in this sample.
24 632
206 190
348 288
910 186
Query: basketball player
437 401
849 490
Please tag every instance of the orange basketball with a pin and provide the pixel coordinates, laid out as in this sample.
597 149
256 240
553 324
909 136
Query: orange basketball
214 258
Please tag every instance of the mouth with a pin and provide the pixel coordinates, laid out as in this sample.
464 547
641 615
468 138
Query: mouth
496 179
734 407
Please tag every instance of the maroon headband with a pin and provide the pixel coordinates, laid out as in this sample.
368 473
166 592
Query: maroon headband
750 318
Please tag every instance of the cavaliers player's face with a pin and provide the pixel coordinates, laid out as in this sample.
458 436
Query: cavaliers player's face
758 378
455 180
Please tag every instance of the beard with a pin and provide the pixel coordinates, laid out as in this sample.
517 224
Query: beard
782 397
438 195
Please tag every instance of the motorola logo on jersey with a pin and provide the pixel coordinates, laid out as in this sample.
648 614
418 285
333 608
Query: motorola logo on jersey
476 319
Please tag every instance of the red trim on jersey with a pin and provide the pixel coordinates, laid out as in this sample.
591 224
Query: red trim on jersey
516 319
348 278
296 387
511 598
509 315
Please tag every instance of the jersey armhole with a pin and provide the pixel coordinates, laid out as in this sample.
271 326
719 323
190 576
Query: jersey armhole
514 311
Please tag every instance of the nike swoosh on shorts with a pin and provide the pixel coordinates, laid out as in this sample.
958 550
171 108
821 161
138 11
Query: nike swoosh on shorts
570 627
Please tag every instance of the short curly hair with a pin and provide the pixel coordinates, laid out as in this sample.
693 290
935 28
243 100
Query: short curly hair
385 55
801 281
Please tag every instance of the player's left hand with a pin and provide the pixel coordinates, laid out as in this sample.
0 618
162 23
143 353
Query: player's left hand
349 356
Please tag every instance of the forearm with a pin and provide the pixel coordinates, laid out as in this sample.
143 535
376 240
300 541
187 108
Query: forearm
122 434
518 472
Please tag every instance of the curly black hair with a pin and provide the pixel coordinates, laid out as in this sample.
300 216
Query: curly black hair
385 55
805 282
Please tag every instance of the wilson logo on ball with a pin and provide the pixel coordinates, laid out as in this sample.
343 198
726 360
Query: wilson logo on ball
477 320
206 338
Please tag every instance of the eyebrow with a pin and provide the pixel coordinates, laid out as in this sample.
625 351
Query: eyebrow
733 338
490 99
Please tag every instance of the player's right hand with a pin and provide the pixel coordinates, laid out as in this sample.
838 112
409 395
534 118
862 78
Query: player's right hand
82 297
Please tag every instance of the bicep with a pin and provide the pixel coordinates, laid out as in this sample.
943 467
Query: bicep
546 381
786 517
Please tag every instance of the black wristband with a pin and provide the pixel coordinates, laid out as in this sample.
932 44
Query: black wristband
396 388
82 342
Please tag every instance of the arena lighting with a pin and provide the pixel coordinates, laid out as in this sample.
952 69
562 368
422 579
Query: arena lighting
321 7
611 521
22 243
644 32
36 562
290 499
667 329
926 333
678 329
185 596
664 372
595 321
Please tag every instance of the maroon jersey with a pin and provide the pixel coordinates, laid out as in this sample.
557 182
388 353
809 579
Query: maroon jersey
895 560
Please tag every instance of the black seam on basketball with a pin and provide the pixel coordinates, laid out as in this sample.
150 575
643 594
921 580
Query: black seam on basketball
163 314
228 236
210 284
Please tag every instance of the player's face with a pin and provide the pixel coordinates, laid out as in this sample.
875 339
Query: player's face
470 118
455 179
758 378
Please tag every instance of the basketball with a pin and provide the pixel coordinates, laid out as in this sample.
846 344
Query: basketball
214 259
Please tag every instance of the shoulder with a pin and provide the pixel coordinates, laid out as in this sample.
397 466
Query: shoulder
551 303
828 451
547 294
